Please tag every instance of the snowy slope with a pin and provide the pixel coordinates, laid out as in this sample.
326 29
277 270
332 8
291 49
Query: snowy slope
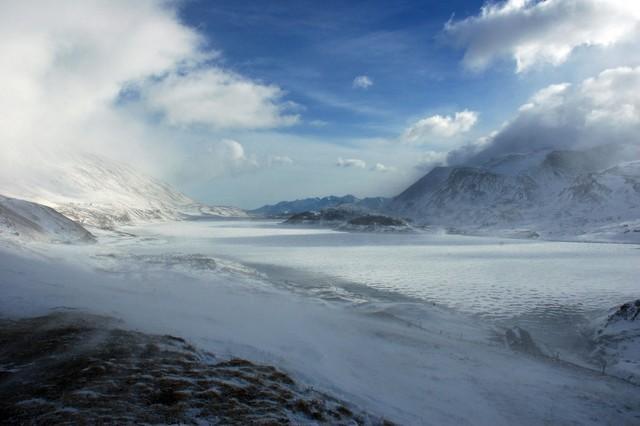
412 363
96 191
617 340
556 194
25 220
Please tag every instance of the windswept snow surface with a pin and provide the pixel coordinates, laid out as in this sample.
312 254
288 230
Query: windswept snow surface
97 191
394 355
24 220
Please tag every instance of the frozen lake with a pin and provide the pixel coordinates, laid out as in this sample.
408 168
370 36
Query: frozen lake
501 279
352 314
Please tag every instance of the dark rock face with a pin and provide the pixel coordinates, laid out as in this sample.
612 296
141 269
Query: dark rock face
627 312
350 220
520 340
326 215
378 220
288 208
77 369
304 217
304 205
617 342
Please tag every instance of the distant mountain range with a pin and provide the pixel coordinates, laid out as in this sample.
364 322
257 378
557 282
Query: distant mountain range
287 208
588 194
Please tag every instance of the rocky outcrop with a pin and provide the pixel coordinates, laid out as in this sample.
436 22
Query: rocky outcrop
70 368
617 342
520 340
345 219
288 208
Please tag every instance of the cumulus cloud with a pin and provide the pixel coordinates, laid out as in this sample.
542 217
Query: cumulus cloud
437 127
362 82
84 75
234 151
533 32
217 98
599 110
351 162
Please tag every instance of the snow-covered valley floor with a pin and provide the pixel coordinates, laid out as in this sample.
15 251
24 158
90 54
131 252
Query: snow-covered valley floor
363 334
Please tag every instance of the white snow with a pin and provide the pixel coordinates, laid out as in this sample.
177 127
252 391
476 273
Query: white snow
554 195
24 220
97 191
445 369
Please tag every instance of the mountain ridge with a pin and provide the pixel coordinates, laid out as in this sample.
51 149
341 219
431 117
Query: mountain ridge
552 192
96 191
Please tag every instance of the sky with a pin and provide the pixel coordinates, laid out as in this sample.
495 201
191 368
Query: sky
251 102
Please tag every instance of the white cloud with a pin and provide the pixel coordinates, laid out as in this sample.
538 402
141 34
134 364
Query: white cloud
533 32
225 157
351 162
435 127
599 110
235 152
279 160
65 65
379 167
217 98
62 62
431 159
362 82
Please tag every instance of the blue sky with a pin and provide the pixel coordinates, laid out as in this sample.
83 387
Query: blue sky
314 53
253 102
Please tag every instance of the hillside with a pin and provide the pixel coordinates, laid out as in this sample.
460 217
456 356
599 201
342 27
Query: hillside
547 193
96 191
287 208
31 221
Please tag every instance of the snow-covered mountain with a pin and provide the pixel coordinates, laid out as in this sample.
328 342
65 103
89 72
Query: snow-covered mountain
287 208
32 221
589 193
96 191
